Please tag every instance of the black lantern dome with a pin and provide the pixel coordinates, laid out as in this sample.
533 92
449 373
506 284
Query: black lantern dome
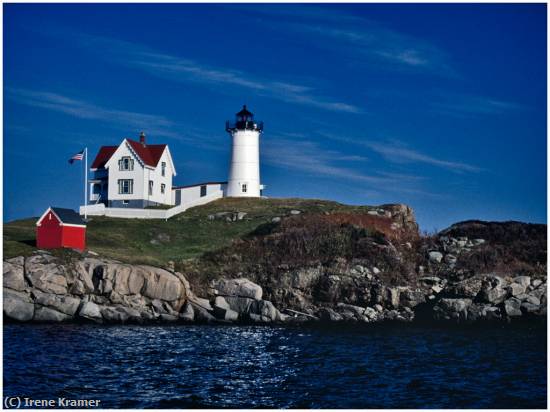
244 120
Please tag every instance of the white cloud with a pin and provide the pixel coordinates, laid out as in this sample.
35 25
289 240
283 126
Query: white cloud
397 152
180 69
308 157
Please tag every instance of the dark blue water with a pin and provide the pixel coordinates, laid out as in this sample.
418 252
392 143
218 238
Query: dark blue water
247 367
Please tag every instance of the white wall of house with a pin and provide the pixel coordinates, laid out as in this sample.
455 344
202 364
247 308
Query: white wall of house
193 193
155 175
141 175
115 174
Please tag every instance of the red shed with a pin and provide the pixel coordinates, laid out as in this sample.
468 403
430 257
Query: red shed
59 227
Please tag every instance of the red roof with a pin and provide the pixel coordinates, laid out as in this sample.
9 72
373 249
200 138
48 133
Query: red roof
150 154
103 156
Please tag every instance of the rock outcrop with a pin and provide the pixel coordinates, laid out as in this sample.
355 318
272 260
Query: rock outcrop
325 268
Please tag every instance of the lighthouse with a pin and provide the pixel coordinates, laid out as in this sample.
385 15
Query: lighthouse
244 166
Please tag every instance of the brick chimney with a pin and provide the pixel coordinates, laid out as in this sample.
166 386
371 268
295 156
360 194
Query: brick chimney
142 139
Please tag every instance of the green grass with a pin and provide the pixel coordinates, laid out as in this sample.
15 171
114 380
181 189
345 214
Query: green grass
187 235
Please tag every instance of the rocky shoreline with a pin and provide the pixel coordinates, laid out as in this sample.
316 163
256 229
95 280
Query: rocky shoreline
42 288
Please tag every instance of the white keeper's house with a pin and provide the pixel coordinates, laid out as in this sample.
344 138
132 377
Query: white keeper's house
129 179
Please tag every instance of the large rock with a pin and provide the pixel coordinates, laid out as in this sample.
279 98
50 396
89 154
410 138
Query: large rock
516 289
468 288
525 281
188 313
239 304
411 298
90 311
237 287
265 309
47 277
452 309
13 276
18 306
64 304
45 314
435 256
493 290
512 307
328 314
223 311
120 314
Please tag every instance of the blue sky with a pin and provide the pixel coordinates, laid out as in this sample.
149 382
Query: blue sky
442 107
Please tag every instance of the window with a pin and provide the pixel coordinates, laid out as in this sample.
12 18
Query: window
162 188
163 168
125 186
244 187
150 188
126 163
203 190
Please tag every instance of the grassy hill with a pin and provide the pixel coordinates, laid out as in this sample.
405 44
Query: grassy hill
184 236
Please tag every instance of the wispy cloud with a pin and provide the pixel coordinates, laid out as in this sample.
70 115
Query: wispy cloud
361 38
181 69
309 157
160 125
124 120
461 105
398 152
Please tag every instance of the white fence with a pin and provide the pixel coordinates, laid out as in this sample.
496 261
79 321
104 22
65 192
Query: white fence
101 210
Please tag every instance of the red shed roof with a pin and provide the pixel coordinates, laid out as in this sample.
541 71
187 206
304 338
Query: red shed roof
150 154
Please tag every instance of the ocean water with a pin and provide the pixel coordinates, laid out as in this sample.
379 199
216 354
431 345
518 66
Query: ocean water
397 366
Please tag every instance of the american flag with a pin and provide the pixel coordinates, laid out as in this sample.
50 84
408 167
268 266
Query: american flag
78 156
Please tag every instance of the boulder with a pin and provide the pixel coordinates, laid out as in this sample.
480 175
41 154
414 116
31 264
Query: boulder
18 306
493 290
358 312
223 311
512 307
525 281
329 315
237 287
13 276
239 304
393 296
516 289
264 308
49 278
64 304
411 298
120 314
90 311
45 314
202 315
200 302
529 307
468 288
188 313
161 284
533 300
536 283
435 256
226 314
452 308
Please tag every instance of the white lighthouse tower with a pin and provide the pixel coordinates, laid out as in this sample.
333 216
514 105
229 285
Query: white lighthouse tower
244 168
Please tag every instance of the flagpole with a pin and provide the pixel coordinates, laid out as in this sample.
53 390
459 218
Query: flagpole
86 183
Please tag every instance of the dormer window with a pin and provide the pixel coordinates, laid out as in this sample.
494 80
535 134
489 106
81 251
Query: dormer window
163 168
126 163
